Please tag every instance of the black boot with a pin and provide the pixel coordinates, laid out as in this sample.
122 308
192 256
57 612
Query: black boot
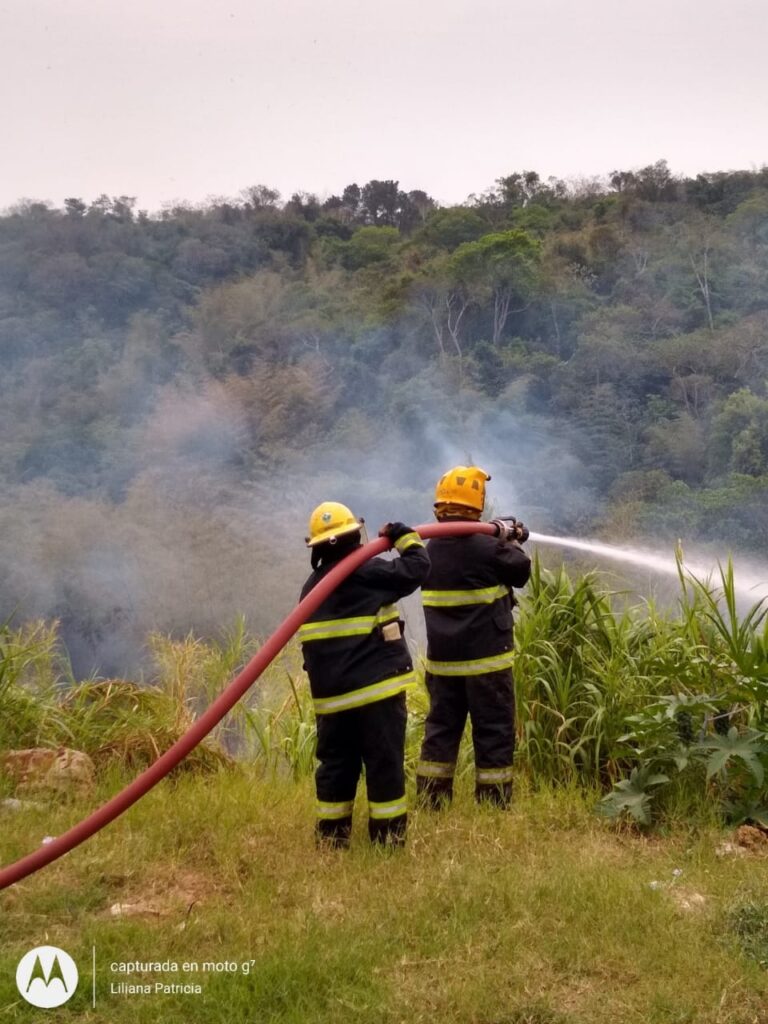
333 833
388 832
433 793
497 794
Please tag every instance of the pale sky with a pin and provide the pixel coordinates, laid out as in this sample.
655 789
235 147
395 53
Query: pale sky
184 99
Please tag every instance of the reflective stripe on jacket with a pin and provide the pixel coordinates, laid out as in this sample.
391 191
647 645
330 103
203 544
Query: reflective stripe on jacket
358 625
474 667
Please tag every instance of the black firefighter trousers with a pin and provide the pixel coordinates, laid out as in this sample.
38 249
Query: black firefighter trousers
489 700
372 736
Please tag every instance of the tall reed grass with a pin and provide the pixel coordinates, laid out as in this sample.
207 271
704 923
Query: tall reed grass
604 688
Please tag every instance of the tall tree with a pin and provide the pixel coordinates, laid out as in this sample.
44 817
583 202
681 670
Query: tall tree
501 267
381 202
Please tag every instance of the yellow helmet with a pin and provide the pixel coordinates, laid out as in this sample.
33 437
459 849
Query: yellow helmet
462 485
330 520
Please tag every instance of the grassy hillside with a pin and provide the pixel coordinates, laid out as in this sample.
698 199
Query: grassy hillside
539 915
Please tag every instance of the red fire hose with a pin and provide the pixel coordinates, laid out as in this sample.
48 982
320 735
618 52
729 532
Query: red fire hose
224 702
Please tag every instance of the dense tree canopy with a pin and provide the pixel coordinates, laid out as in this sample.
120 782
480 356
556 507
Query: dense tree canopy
611 338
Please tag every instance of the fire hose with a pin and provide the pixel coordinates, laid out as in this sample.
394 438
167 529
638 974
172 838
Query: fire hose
224 703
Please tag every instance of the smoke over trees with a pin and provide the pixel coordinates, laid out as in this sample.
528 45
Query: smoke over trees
179 388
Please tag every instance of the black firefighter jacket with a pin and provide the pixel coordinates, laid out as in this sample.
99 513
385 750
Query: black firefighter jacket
468 604
353 645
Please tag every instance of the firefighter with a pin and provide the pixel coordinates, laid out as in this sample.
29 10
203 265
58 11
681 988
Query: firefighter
468 609
359 668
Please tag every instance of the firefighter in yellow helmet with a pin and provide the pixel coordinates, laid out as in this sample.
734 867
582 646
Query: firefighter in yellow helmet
468 610
359 668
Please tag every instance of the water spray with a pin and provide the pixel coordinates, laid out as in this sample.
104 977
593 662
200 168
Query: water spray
748 584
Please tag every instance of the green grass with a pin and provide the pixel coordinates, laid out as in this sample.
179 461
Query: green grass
748 921
541 914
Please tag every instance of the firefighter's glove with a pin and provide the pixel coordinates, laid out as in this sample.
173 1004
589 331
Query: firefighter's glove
394 531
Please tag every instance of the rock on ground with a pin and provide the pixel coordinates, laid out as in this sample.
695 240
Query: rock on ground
40 771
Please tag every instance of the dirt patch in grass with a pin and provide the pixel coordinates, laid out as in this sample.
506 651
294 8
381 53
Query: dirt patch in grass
688 900
164 896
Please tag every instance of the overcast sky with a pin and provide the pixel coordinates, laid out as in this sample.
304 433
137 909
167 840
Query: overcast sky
183 99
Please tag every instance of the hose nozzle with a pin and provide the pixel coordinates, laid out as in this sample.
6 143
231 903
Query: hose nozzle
508 528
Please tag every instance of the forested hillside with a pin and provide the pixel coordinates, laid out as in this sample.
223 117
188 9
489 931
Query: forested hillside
179 388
